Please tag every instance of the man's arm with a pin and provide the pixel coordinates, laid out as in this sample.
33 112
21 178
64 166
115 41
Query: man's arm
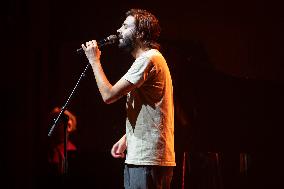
108 92
117 151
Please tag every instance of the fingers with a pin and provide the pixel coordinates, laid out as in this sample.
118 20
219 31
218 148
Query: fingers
89 45
116 151
113 150
83 47
119 152
118 155
121 148
94 42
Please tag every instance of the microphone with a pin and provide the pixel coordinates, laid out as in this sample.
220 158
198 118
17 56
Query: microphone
107 41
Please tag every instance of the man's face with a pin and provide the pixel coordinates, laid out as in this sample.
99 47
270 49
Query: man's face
126 34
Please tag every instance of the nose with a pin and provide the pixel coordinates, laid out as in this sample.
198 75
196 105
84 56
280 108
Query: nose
119 30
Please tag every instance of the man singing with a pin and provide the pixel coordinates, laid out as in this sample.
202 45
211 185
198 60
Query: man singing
149 138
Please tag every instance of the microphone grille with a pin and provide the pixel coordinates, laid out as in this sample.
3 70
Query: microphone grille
112 38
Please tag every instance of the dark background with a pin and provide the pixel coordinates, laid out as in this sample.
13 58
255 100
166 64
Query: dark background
226 61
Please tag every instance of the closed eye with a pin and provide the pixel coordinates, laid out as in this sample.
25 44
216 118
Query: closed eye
124 25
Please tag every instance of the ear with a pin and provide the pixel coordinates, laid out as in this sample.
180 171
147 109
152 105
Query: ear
139 35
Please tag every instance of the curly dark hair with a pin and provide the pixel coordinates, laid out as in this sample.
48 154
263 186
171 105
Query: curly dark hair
147 27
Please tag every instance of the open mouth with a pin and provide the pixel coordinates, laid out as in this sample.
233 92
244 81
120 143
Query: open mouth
119 36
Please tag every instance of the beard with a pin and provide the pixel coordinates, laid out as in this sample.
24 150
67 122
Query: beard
127 43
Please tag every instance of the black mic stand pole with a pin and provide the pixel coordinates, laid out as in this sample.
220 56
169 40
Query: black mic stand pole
65 158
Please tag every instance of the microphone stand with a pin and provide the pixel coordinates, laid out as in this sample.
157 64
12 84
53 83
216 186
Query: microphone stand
110 40
56 121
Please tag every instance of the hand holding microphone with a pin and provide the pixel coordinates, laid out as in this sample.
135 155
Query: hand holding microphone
107 41
91 48
92 51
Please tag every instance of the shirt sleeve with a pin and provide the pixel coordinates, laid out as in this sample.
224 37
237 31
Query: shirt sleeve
139 71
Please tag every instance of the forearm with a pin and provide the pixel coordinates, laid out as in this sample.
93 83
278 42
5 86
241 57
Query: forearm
123 140
103 84
93 54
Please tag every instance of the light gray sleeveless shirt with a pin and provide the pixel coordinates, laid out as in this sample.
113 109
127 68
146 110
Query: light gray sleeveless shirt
150 112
